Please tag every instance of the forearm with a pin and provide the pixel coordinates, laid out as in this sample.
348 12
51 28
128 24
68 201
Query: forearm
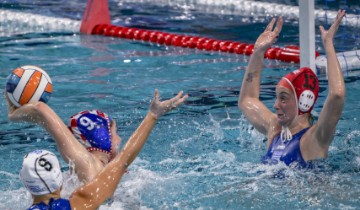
101 187
104 185
335 76
336 82
139 137
69 147
251 83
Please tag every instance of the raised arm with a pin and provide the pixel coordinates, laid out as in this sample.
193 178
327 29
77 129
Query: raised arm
70 149
249 103
105 183
157 109
334 103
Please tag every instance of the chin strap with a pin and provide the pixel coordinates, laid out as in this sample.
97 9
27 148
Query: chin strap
285 134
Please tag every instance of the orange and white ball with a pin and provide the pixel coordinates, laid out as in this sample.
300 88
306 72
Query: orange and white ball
28 84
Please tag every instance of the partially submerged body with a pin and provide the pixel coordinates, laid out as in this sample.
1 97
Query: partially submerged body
292 108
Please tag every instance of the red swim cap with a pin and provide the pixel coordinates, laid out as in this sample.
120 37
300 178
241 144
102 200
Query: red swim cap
306 86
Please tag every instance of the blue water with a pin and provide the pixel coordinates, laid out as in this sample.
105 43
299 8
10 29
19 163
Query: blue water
204 155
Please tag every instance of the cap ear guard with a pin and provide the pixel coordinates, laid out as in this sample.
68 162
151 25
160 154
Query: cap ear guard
306 100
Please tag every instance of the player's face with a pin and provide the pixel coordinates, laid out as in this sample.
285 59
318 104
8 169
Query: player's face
285 105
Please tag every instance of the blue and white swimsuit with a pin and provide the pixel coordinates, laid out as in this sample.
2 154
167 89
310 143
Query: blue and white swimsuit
286 151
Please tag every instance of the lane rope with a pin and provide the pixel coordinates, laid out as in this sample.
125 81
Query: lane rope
290 54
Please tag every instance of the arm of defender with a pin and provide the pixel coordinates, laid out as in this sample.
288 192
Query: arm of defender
105 183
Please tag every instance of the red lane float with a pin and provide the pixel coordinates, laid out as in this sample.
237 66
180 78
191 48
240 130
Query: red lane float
96 20
290 54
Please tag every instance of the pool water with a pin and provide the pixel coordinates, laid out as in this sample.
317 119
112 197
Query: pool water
204 155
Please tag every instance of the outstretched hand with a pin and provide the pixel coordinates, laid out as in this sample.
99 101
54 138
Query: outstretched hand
270 35
159 108
328 35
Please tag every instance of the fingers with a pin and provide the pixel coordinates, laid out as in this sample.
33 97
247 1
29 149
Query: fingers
339 17
330 33
182 99
279 25
178 99
178 96
340 14
171 103
159 108
156 95
11 106
270 26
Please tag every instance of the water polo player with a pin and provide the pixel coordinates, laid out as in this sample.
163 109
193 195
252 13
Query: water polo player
95 129
292 138
97 132
42 177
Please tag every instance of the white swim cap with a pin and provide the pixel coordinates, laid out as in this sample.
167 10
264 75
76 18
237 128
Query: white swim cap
41 172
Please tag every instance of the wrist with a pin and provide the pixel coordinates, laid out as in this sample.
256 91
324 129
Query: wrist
153 115
259 52
328 42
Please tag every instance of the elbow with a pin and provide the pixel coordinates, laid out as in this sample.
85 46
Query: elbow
323 154
338 95
245 104
42 109
241 104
